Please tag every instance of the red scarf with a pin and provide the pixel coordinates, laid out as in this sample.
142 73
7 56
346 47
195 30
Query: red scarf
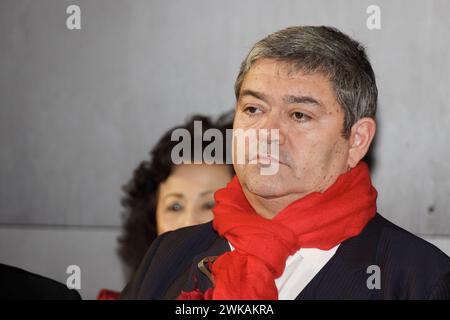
261 246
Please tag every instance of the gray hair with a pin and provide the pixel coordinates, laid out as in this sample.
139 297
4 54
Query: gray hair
328 51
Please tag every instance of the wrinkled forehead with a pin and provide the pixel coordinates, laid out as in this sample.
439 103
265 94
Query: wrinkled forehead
279 79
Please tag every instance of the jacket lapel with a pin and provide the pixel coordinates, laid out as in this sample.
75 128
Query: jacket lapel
193 278
345 274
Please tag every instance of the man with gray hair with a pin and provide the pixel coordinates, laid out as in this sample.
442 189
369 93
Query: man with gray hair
310 230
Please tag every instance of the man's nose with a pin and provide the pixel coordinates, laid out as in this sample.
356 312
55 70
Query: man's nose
275 129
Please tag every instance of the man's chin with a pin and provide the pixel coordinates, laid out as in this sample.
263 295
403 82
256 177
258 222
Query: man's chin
265 186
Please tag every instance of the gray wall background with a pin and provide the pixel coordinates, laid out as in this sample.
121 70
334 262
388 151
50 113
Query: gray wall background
79 109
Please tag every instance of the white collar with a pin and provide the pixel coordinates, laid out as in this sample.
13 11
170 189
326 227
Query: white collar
300 269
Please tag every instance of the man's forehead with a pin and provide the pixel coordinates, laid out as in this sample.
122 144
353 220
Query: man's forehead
268 77
271 75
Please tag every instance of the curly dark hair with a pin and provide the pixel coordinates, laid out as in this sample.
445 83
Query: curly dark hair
140 199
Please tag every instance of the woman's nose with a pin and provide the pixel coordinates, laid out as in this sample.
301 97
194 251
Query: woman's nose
191 217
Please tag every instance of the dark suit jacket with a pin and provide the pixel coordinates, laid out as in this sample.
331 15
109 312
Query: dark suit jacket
18 284
410 268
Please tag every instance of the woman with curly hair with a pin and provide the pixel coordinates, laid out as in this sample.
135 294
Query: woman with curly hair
163 196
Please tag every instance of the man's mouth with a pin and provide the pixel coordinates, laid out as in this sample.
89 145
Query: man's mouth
264 159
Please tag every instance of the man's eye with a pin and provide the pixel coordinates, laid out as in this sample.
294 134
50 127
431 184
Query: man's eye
300 116
175 207
251 110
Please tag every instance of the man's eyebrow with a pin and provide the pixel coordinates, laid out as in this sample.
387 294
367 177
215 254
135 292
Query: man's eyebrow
287 99
301 100
255 94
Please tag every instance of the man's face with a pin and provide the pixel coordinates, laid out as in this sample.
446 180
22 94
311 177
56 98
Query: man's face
312 150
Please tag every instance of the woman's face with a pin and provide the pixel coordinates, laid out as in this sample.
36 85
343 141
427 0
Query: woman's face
187 196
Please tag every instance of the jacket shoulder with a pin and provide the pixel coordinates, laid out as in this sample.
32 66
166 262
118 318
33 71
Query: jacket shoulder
398 243
406 267
169 256
410 264
193 234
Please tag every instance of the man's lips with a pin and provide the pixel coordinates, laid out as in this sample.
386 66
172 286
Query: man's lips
265 159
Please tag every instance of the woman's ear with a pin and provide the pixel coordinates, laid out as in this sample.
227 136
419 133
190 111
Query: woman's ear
361 136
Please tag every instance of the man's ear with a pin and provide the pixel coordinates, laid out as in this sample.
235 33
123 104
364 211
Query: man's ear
361 136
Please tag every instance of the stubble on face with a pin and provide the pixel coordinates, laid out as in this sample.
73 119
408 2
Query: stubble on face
313 153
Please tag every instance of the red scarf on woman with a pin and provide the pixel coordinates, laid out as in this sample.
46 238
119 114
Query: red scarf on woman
261 246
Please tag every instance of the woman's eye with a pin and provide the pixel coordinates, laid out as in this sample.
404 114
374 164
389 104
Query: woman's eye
251 110
175 207
209 205
300 116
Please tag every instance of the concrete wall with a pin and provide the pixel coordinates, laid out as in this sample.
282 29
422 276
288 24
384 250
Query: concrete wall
79 109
